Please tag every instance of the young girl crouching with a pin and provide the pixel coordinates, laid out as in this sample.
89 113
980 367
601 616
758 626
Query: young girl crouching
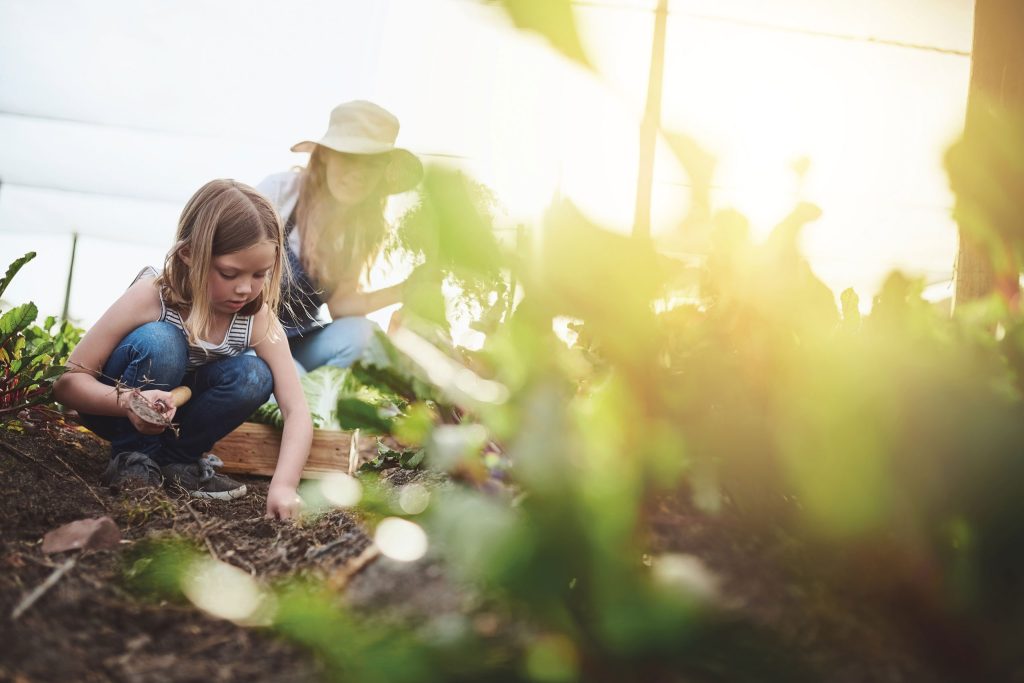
190 325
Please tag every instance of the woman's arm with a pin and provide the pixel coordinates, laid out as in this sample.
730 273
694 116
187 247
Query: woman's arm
348 300
80 388
297 436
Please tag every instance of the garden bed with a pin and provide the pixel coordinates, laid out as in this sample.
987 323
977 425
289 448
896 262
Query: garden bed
253 449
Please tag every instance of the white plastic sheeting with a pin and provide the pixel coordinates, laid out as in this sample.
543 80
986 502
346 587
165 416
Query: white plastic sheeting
112 113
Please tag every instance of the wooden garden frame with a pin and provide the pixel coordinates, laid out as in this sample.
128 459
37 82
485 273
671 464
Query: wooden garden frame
253 448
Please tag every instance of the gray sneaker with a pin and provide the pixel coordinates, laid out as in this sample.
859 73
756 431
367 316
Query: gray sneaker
199 479
131 469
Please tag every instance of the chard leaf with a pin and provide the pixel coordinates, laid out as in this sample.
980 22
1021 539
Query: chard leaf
353 413
16 320
13 269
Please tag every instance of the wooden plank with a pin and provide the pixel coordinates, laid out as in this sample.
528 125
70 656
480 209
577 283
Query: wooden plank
253 449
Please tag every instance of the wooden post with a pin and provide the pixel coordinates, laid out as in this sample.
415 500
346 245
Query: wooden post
997 77
649 126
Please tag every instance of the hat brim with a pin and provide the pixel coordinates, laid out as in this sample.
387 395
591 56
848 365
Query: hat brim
403 173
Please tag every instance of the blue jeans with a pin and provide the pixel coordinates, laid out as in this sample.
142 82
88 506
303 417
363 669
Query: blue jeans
340 343
224 393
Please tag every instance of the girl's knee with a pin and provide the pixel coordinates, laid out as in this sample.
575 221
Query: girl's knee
158 350
159 338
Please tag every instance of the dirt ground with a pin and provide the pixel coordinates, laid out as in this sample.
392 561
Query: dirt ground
89 627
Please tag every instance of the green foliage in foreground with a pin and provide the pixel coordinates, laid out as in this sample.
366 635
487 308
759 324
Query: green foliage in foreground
885 447
31 356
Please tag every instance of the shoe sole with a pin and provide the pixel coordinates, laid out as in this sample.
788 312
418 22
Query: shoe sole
233 494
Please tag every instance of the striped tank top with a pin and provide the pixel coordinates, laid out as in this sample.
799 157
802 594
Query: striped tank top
235 341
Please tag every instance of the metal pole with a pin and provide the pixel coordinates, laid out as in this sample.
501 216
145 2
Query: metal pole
650 124
71 272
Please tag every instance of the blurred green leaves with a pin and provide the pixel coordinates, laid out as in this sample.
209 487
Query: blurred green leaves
553 19
607 280
986 173
897 430
451 232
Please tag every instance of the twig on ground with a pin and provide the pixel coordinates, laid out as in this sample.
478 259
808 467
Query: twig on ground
317 551
209 644
88 488
41 589
41 561
17 452
202 531
245 563
195 515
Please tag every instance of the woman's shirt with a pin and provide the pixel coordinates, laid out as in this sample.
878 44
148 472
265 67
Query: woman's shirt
235 341
301 297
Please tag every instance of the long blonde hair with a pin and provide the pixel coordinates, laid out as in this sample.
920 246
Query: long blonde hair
222 217
331 244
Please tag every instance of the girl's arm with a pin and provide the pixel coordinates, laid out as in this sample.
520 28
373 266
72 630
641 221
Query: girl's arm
297 436
80 388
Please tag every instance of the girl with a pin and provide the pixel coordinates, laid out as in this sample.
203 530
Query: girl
189 325
333 211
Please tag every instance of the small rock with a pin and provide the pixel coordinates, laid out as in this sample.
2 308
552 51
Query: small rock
95 534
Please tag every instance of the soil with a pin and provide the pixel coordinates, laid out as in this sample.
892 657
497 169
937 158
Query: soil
90 627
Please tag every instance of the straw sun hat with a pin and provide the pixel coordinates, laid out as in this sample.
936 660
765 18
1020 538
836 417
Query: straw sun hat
362 127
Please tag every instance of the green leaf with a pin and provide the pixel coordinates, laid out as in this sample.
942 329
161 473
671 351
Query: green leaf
384 367
18 348
53 372
607 279
552 19
456 220
13 269
353 413
388 458
37 347
322 388
410 460
415 425
16 320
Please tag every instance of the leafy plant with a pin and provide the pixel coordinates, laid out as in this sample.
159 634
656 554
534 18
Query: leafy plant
31 357
388 458
337 400
450 233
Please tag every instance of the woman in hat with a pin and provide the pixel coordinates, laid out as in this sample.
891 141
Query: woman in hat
333 213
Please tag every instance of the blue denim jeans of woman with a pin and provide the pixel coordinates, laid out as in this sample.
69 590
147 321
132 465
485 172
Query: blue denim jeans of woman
339 343
224 393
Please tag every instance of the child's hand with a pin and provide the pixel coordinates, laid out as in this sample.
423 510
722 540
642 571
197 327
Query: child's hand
153 396
282 502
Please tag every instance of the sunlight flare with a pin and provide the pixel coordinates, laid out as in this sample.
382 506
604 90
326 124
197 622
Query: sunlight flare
400 539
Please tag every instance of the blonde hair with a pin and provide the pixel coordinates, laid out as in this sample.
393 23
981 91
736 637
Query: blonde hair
331 244
222 217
